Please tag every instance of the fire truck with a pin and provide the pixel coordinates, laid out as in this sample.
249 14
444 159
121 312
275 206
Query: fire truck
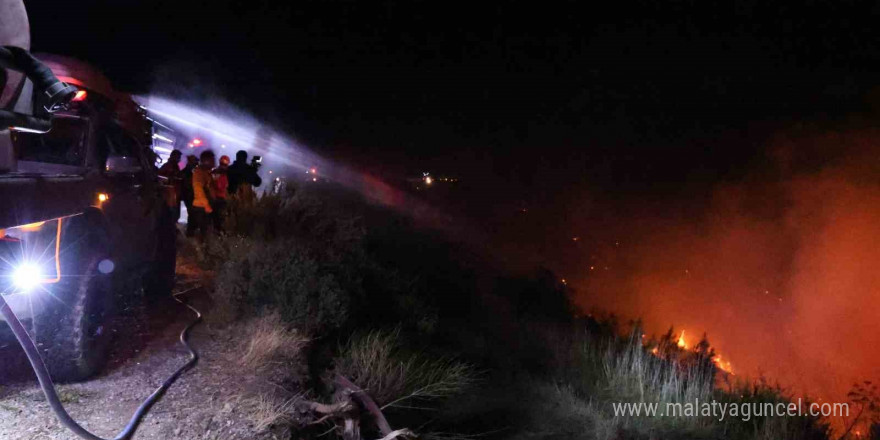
84 221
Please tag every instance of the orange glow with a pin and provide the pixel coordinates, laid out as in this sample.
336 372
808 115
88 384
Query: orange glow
102 197
778 268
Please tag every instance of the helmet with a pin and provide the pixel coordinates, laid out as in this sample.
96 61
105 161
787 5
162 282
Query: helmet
224 160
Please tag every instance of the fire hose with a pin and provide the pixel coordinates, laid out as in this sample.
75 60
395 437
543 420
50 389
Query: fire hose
48 387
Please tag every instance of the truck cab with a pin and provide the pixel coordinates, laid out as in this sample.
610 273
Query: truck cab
84 219
102 142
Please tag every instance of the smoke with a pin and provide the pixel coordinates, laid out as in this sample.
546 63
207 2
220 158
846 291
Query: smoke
780 269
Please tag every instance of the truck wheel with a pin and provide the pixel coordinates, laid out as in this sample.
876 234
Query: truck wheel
73 334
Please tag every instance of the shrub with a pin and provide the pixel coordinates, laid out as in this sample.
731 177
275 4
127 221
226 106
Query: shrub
306 257
376 362
285 277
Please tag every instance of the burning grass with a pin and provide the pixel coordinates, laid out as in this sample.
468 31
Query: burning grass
592 372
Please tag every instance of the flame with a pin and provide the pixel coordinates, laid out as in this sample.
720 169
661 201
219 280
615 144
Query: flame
681 342
722 364
719 361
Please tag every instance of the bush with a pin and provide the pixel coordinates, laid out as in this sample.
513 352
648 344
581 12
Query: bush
376 362
287 278
308 258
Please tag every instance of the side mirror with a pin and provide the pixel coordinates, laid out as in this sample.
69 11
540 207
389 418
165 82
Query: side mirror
123 165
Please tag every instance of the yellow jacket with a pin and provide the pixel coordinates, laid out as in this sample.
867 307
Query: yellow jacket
202 188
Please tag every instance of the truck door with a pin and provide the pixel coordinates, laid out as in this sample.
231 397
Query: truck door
131 205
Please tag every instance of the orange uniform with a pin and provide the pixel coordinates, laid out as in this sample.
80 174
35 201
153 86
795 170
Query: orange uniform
203 189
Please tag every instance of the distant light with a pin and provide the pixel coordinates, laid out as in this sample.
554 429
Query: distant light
313 170
270 171
222 145
189 145
428 180
314 179
102 197
79 96
26 276
197 142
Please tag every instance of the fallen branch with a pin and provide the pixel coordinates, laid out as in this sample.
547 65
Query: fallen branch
346 415
367 403
399 433
337 408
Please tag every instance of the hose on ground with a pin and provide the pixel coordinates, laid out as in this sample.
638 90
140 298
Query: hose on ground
48 387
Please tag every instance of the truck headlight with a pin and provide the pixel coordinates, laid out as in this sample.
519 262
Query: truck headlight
27 276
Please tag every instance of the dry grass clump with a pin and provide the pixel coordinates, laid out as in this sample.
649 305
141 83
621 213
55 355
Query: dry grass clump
265 411
375 362
267 340
632 374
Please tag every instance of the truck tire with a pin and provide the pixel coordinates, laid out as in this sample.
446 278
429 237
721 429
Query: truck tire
73 334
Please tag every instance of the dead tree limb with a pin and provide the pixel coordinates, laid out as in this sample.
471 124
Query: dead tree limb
350 400
367 403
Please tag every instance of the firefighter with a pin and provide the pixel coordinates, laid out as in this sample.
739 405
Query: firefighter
221 188
186 189
171 171
203 194
243 176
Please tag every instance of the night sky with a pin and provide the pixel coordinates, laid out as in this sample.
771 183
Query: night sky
518 90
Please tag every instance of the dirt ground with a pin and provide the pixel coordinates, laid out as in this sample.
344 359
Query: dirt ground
208 402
